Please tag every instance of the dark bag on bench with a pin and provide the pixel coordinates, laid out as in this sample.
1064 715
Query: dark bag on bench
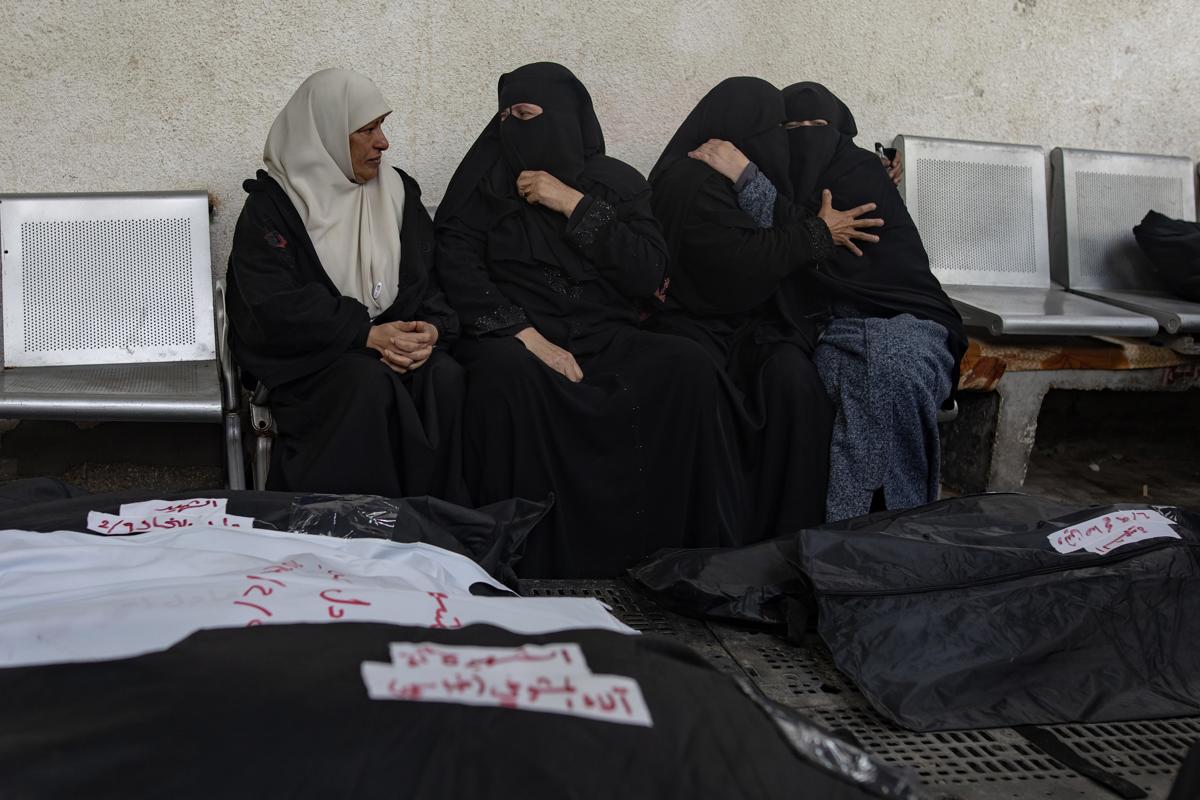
1173 248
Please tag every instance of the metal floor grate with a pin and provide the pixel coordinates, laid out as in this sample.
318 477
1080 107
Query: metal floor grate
1135 750
641 614
989 764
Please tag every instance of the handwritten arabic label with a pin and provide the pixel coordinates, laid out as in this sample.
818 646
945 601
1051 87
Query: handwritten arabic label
112 525
1105 534
204 506
549 678
564 658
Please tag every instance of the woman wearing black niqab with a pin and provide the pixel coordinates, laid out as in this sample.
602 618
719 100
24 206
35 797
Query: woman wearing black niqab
546 247
333 307
731 248
889 357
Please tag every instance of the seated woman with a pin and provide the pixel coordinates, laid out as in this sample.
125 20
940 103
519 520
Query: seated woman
546 245
889 357
333 307
734 241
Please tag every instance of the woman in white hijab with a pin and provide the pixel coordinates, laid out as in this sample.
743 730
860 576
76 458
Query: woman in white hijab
334 308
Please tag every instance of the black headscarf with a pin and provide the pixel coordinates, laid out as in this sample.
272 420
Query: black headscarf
892 276
748 112
565 140
808 100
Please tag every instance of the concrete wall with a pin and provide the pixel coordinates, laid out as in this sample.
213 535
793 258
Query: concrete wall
151 94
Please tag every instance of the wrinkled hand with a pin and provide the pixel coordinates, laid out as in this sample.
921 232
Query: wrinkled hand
542 188
403 346
895 168
845 226
550 354
722 156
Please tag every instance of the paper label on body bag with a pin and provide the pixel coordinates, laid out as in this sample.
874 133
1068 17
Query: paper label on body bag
202 506
112 524
1105 534
548 678
415 658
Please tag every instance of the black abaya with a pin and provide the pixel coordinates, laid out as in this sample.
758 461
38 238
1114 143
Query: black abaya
638 454
892 276
726 273
347 423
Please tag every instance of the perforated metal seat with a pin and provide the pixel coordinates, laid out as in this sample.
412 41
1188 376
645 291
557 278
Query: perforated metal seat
1097 198
981 211
110 313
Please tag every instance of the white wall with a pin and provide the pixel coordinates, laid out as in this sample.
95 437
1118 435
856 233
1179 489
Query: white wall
153 95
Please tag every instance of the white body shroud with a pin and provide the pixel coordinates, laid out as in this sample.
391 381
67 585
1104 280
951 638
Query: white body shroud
69 596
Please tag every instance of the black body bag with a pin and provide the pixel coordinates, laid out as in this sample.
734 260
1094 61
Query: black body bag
961 614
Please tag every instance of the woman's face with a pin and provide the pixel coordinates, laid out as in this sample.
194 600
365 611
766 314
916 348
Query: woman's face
366 150
522 111
805 123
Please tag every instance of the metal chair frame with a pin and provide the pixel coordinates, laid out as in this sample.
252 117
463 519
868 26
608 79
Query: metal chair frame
111 314
1097 199
981 209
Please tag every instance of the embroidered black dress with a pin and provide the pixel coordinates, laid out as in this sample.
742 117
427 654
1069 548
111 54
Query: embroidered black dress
638 454
347 423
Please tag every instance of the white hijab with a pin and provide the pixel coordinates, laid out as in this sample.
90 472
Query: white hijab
354 227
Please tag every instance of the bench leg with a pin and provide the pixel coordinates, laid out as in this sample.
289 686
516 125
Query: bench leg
1021 395
262 459
234 458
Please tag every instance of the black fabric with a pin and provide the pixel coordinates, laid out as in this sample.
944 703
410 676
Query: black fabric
892 276
18 494
640 453
358 426
493 536
1187 780
726 272
704 226
1173 249
809 101
281 711
960 614
346 421
749 112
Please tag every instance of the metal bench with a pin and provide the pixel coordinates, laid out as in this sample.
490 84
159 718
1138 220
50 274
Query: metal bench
981 211
1097 198
110 314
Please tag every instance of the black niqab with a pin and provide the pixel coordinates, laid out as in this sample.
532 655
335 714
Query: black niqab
808 100
553 140
565 140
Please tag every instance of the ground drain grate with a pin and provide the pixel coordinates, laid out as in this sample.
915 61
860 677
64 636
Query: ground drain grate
635 612
640 613
1133 750
952 757
993 764
800 677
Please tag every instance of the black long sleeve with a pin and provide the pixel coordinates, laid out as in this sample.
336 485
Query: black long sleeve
623 241
732 263
286 324
463 273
